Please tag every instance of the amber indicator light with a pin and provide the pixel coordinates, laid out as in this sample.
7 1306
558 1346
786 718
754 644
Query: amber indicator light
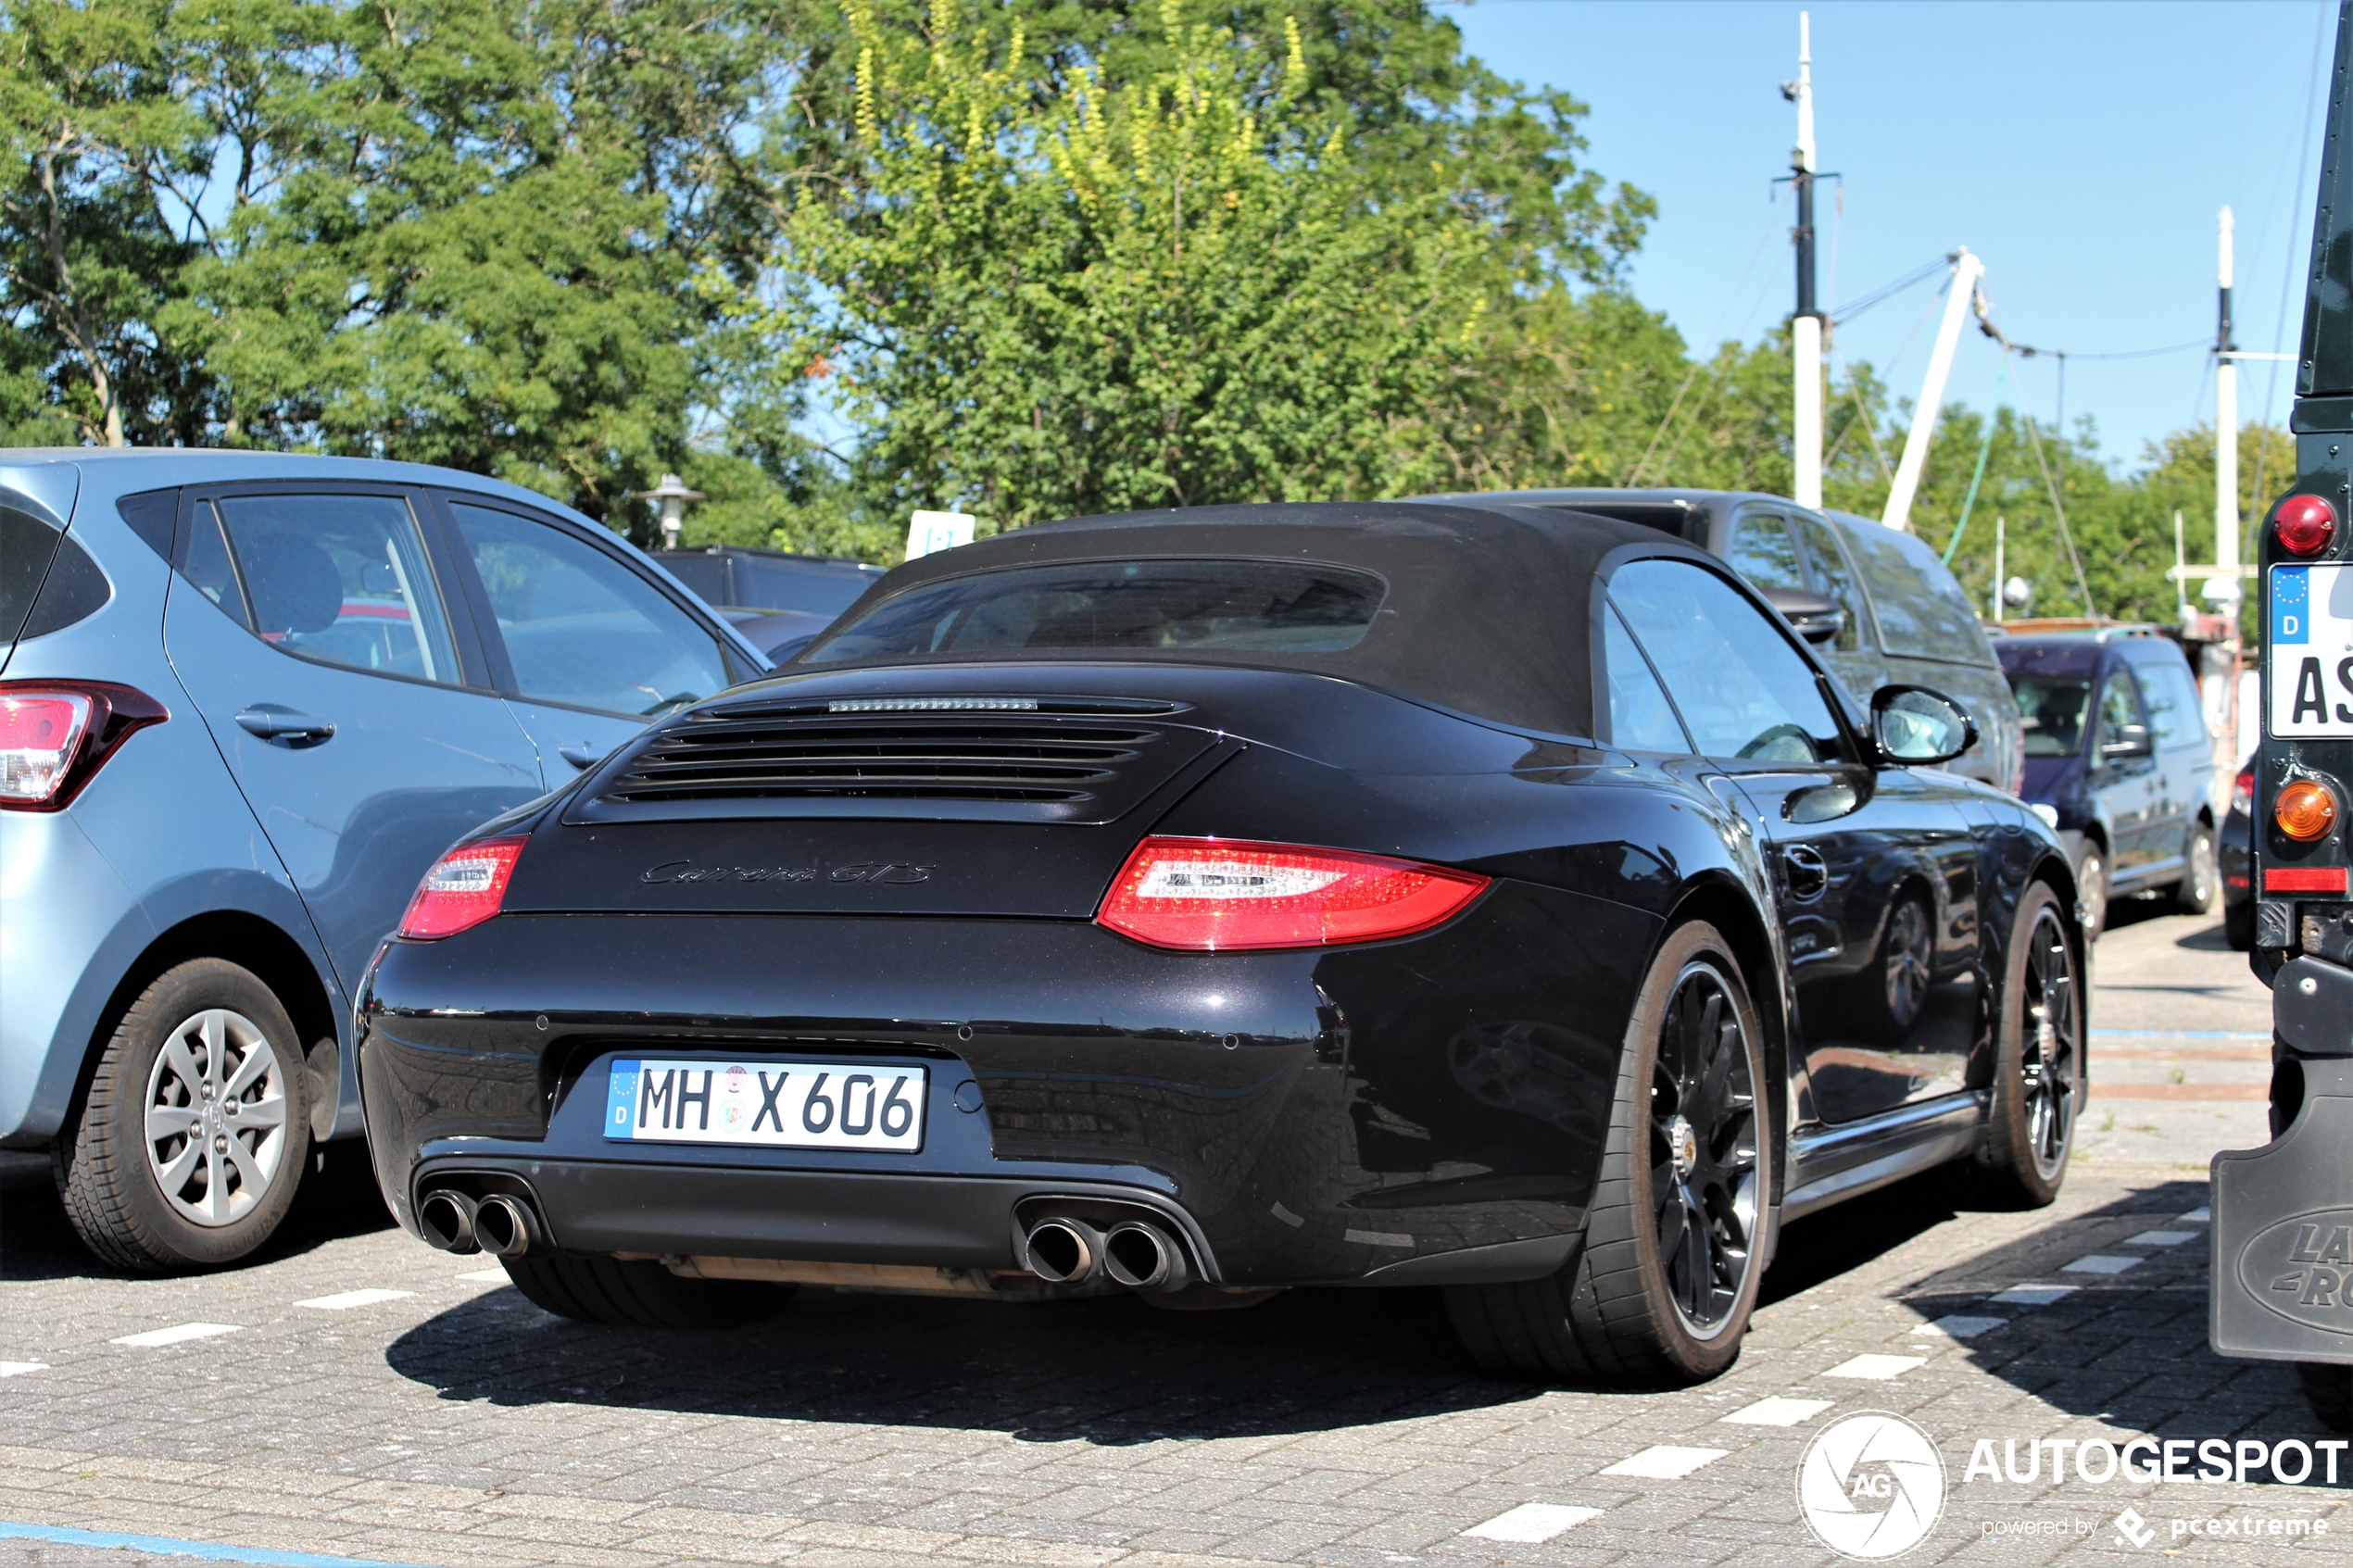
2304 811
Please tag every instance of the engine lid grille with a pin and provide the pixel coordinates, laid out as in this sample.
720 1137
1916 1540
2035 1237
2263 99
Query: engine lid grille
1026 758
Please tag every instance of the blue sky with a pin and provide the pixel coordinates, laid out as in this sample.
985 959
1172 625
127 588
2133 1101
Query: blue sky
2082 149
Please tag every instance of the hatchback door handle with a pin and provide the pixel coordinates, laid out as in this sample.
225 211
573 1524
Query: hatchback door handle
580 755
1808 873
284 726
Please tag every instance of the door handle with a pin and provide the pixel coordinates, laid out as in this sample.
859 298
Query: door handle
580 755
284 726
1808 873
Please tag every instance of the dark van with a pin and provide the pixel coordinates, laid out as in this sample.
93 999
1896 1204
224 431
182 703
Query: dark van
2118 760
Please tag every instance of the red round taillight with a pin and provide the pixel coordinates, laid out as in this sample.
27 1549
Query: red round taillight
2305 524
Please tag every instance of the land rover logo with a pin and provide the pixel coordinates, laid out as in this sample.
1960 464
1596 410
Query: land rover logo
2302 1269
862 871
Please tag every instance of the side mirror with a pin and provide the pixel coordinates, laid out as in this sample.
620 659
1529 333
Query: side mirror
1811 615
2133 740
1914 724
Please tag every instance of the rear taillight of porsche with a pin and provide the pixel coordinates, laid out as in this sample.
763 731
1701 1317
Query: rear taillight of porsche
1217 895
55 736
465 887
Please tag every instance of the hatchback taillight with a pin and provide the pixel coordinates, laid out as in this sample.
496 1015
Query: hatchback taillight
2243 792
55 736
465 887
1215 895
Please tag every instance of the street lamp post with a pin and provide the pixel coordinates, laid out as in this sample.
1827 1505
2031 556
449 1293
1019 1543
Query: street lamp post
674 496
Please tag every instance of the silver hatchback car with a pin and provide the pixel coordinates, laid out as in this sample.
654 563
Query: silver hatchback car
246 700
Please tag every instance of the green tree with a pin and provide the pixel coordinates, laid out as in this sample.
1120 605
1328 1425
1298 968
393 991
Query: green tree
1161 293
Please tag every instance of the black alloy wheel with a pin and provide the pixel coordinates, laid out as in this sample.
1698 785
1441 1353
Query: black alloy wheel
2038 1072
1659 1290
1704 1156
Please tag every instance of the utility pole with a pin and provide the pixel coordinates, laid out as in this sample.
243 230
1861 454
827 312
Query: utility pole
1967 270
2226 430
1805 327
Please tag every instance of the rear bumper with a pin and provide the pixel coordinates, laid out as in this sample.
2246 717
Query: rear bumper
1303 1117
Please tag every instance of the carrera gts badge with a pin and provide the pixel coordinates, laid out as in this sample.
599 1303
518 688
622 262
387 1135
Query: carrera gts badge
864 870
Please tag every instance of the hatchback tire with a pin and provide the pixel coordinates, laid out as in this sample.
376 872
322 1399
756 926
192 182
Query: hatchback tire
2091 886
641 1294
1660 1290
192 1133
2194 894
2038 1060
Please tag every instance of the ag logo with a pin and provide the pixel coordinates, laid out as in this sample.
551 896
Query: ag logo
1872 1486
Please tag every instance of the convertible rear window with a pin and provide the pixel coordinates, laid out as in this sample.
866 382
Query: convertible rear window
1119 606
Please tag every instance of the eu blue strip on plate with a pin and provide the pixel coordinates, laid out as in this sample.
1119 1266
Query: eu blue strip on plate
164 1546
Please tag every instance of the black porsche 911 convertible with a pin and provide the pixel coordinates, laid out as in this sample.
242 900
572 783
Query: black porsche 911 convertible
1200 903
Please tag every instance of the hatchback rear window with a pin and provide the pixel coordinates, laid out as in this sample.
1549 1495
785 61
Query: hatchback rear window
1119 606
1922 611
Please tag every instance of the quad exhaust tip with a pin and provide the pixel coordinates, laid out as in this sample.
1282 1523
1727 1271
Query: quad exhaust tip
1143 1257
499 1225
1134 1253
504 1226
447 1221
1064 1251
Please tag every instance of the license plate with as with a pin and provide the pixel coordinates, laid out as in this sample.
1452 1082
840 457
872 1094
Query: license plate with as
767 1104
2307 657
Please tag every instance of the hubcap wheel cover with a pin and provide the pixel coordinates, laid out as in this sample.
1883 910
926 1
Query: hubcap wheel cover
1703 1166
2049 1059
215 1118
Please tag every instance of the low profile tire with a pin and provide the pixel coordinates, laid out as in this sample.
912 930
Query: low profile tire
193 1132
1888 997
2091 886
1660 1291
641 1294
2037 1089
2196 893
2238 925
2328 1388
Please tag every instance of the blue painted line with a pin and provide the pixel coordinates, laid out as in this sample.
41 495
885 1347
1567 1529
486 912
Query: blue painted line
164 1546
2172 1035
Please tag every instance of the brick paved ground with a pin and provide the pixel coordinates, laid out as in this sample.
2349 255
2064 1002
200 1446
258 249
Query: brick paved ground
454 1424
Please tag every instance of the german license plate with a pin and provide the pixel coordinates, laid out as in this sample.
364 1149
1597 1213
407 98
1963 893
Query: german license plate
2308 658
767 1104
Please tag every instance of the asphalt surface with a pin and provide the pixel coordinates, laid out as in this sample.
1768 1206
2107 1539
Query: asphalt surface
352 1395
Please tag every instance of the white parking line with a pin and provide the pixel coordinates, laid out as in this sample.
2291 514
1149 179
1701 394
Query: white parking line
2197 1216
175 1334
1532 1521
1665 1462
2100 1263
2162 1238
1960 1326
350 1299
486 1276
1876 1369
17 1369
1778 1411
2030 1295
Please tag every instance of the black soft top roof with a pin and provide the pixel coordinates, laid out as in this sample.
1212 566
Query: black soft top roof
1487 608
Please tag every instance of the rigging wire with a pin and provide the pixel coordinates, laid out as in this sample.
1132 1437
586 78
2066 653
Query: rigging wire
1697 364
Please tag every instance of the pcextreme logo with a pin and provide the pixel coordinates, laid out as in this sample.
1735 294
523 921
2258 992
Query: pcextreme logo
1872 1486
